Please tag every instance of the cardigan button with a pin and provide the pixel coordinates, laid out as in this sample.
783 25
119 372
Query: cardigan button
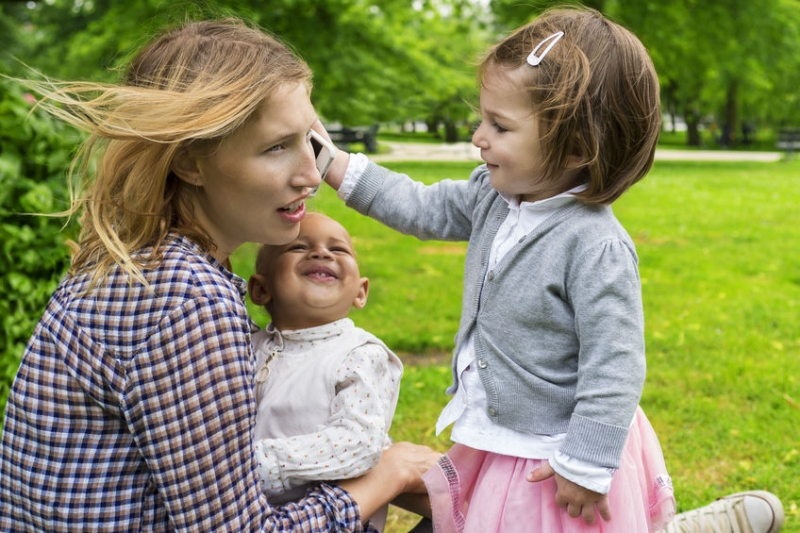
492 412
490 275
482 363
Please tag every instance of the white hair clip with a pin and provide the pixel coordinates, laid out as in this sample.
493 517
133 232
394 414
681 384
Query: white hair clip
534 60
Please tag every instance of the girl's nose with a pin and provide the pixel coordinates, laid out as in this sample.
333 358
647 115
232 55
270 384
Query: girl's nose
478 139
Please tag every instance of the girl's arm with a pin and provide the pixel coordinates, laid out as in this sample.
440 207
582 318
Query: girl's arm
441 211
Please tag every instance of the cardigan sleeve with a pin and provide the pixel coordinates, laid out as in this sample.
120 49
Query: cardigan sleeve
441 211
605 293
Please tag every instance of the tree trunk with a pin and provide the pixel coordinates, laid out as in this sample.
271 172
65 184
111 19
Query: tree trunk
450 132
692 129
731 123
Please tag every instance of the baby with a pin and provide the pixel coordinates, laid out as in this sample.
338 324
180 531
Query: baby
326 389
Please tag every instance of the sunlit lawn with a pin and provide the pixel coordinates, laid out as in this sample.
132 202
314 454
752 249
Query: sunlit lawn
718 246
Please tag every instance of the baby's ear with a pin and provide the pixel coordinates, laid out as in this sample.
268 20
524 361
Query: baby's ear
258 290
361 297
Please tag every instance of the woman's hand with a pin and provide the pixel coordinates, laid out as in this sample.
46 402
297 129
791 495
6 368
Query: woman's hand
577 500
399 471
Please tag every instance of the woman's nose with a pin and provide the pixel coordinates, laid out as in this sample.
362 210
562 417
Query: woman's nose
309 175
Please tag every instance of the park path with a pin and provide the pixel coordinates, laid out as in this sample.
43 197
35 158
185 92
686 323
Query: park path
467 152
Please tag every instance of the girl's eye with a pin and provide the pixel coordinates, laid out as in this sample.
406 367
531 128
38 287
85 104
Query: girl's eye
340 250
499 128
296 248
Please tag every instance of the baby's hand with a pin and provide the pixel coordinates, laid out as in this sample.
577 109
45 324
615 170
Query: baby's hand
578 501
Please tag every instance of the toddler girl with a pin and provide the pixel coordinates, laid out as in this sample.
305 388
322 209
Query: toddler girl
549 361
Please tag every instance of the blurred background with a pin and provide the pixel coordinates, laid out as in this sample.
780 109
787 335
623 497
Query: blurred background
729 69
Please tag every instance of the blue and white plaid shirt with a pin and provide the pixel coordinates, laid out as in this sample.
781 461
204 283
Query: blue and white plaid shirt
133 411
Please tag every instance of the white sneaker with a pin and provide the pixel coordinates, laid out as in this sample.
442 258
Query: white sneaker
755 511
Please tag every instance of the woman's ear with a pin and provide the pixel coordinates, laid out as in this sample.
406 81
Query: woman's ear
258 290
361 297
184 165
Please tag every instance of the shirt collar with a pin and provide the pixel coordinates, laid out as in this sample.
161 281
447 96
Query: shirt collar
548 203
188 244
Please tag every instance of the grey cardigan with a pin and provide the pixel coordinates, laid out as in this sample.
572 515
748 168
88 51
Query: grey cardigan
558 324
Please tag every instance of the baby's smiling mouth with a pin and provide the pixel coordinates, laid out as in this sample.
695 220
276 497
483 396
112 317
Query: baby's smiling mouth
321 273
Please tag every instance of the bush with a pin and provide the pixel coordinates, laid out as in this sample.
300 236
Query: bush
35 152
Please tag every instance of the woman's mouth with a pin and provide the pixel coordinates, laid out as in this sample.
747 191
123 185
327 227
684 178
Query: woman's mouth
294 212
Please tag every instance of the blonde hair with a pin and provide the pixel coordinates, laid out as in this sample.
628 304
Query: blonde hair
595 94
188 89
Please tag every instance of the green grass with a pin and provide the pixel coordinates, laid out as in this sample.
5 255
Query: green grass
720 267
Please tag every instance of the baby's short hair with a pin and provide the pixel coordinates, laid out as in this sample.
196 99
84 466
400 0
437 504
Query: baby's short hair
595 94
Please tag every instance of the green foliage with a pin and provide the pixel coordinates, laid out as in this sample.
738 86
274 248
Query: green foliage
372 62
34 153
726 61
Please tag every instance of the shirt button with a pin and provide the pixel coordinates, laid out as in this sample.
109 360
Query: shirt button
482 363
492 411
490 275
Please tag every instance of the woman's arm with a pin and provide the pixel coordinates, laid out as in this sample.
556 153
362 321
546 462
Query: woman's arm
399 471
189 405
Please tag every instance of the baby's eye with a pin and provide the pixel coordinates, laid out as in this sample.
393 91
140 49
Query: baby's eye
299 247
339 249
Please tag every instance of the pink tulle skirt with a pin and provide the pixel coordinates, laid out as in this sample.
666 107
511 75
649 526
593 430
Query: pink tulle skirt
473 491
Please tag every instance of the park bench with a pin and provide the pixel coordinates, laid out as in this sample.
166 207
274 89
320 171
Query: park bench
343 137
789 140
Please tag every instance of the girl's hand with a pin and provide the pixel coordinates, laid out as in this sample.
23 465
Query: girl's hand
337 169
578 501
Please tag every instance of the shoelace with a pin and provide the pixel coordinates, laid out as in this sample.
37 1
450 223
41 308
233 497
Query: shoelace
722 516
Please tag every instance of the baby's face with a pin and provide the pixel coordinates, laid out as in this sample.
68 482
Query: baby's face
314 279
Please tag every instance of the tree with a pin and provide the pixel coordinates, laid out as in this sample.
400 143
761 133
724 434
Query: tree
373 61
732 61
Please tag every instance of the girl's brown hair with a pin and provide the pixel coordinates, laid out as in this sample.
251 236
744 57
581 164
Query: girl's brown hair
595 94
188 89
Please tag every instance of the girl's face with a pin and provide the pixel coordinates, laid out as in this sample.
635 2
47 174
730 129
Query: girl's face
252 187
508 137
314 279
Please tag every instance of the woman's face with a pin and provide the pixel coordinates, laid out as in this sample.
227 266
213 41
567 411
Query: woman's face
252 187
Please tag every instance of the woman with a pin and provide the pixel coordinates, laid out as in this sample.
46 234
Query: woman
133 407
